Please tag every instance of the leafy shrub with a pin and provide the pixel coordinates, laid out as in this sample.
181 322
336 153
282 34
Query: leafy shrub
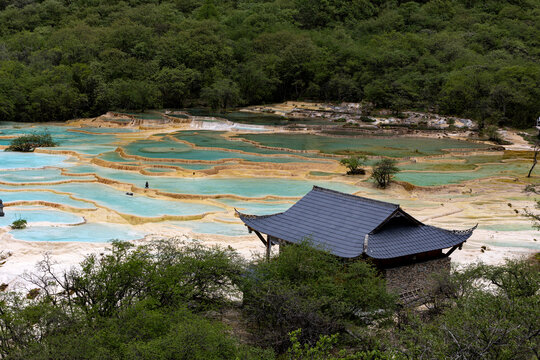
491 132
309 289
354 164
19 224
29 142
169 271
492 312
143 330
145 302
324 350
367 119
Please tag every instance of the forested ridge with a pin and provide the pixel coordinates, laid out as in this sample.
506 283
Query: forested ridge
61 59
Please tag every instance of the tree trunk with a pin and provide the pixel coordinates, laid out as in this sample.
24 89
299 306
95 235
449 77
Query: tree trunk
536 148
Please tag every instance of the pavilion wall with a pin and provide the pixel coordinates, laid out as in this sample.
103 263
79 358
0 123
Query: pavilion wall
415 276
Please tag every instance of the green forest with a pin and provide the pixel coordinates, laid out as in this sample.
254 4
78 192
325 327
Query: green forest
61 59
168 300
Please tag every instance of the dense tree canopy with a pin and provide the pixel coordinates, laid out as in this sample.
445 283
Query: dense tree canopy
61 59
172 300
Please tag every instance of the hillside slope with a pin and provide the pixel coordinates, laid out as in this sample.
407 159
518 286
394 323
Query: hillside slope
71 58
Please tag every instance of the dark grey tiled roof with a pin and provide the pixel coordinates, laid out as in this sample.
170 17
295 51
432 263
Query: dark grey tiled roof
407 240
339 223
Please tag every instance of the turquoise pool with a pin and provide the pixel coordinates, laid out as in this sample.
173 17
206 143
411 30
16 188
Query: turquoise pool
217 228
489 170
167 149
248 187
39 215
37 176
15 160
10 196
137 205
384 146
91 232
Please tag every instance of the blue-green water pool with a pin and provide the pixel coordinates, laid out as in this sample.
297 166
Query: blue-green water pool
39 216
384 146
16 160
91 232
37 176
137 205
11 196
248 187
167 149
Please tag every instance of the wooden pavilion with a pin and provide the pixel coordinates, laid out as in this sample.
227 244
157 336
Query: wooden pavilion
352 227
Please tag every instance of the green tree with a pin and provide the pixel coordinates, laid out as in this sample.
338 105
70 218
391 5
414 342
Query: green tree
309 289
497 318
324 349
208 10
491 132
156 301
222 94
175 85
29 142
354 164
383 171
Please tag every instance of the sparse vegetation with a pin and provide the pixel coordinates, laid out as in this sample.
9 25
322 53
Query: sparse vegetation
29 142
534 216
491 133
367 119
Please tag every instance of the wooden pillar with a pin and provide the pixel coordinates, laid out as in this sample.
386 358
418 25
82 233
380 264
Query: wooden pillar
268 247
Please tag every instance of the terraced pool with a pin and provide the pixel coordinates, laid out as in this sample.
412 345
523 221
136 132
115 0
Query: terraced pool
383 146
94 232
257 180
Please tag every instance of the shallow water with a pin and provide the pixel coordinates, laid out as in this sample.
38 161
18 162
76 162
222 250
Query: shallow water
160 170
115 157
255 119
259 207
108 130
11 196
68 140
214 139
137 205
91 232
39 215
484 171
385 146
16 160
37 176
168 149
248 187
206 227
47 168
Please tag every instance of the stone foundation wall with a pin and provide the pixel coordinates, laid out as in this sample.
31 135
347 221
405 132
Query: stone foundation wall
407 278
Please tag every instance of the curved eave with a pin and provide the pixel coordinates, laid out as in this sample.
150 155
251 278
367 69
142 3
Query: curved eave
388 243
398 242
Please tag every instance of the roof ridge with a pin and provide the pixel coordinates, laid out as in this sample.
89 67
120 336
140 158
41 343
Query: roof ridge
250 216
318 188
455 232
